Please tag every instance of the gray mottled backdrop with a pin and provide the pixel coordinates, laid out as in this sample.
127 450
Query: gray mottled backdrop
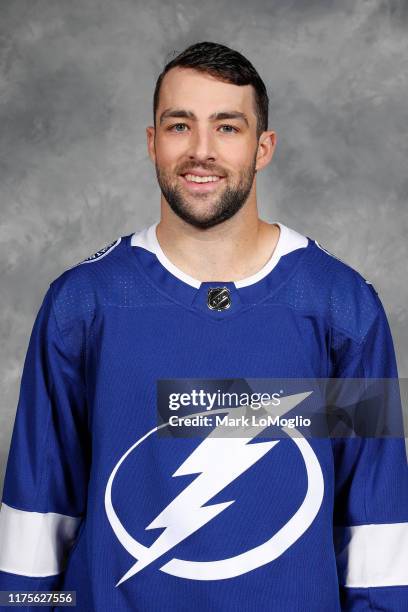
76 86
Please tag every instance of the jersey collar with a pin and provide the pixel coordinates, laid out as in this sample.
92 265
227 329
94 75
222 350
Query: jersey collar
192 292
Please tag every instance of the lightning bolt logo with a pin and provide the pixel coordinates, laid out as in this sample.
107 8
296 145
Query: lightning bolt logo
218 461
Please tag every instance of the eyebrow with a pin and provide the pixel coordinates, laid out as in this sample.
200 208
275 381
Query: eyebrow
180 113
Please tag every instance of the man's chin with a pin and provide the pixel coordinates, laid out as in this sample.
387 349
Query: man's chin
201 221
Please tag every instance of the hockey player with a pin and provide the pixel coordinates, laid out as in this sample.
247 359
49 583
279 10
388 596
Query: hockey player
97 501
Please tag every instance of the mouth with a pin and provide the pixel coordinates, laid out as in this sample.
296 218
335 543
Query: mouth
201 183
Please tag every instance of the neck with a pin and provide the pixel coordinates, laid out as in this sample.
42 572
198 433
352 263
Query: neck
230 251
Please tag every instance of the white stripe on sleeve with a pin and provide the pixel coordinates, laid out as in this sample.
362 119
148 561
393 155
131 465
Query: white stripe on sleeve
374 555
35 544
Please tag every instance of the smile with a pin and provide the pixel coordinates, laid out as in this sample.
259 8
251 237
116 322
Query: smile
195 178
201 183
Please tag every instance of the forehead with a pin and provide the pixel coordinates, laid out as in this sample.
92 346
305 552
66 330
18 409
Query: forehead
203 94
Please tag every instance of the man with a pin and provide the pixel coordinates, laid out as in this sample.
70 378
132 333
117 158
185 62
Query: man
209 299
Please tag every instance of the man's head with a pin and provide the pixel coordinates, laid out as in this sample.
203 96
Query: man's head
210 118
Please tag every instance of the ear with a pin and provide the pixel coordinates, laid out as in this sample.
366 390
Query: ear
150 134
266 148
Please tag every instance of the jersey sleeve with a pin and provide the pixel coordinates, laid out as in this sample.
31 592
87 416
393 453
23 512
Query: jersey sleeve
371 492
45 486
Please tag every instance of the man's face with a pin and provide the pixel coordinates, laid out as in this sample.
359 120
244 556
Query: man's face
190 139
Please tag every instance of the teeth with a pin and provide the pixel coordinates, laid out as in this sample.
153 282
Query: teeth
201 179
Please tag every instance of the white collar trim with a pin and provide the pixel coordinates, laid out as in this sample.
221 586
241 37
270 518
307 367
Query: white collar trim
289 240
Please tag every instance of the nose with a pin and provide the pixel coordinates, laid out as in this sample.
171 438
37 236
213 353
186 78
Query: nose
202 145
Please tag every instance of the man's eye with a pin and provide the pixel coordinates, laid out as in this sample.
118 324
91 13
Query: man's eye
230 126
177 125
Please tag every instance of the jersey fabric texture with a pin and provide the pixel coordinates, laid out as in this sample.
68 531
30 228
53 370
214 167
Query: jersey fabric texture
87 474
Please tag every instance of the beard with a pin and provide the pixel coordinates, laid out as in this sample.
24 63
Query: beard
219 209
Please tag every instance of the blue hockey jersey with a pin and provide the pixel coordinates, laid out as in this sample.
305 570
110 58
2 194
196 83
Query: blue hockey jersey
96 501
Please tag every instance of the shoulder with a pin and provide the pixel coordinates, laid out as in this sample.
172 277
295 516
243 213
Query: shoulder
348 301
103 252
79 289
